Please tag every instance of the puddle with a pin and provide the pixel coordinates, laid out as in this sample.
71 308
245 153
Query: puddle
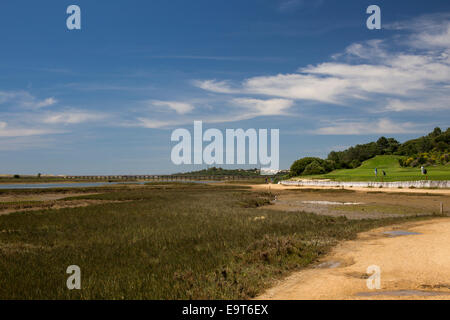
397 233
332 203
403 293
329 265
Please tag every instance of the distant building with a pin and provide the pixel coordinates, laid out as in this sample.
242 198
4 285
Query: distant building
269 172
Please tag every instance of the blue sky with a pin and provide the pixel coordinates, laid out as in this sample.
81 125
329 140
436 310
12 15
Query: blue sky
105 99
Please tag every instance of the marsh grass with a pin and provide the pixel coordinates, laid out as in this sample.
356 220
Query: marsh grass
19 205
166 242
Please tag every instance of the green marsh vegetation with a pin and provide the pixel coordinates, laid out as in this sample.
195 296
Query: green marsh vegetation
164 241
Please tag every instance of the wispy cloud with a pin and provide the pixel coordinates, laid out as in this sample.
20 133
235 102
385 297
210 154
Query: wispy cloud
72 117
240 109
290 5
178 107
380 126
41 104
24 99
427 32
409 78
7 131
258 107
215 86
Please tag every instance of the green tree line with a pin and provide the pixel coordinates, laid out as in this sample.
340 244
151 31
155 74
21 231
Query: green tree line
427 150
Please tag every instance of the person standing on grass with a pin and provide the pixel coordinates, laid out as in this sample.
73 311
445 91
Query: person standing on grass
422 169
376 172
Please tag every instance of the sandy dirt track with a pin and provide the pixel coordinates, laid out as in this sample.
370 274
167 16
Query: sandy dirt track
277 187
415 266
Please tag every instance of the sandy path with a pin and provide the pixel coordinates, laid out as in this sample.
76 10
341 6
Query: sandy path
276 187
412 267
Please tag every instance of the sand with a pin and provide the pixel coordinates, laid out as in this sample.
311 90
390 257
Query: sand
415 266
275 187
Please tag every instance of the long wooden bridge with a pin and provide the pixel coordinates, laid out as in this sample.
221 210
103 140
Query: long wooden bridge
166 177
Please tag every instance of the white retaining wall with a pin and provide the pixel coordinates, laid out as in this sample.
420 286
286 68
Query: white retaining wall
403 184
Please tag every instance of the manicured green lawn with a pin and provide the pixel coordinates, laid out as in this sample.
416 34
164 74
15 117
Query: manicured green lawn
392 168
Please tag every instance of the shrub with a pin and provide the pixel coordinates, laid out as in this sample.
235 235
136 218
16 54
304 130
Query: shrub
314 168
414 163
299 166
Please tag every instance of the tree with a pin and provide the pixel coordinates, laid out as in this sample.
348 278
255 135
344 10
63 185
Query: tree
314 168
436 132
299 166
355 163
441 146
383 145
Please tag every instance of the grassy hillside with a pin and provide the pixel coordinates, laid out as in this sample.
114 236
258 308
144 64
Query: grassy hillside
390 165
432 149
381 162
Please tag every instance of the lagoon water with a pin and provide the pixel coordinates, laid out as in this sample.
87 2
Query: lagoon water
79 184
54 185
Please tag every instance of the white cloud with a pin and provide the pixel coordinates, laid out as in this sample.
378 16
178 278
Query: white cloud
380 126
6 131
371 49
337 83
24 99
244 109
72 117
438 39
154 124
178 107
438 102
297 86
36 104
46 103
428 31
214 86
258 107
370 72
